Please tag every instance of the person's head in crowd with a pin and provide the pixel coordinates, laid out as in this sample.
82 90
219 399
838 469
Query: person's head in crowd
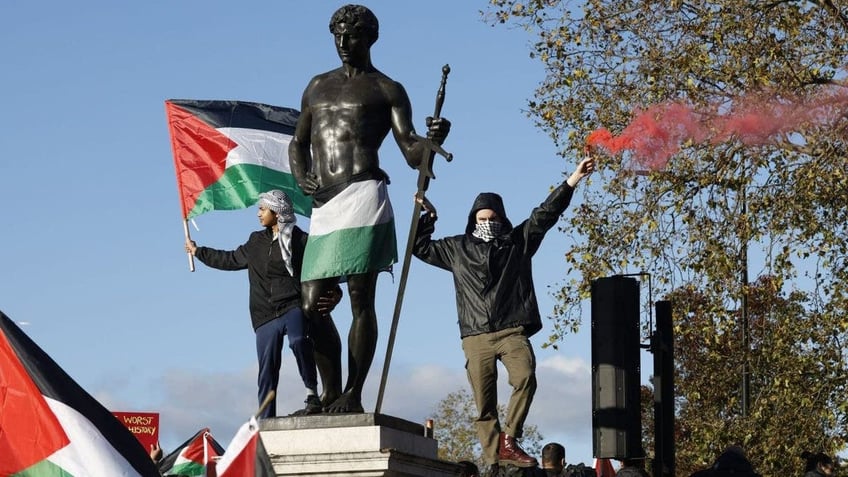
553 456
820 463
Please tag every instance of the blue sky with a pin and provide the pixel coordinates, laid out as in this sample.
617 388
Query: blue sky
92 242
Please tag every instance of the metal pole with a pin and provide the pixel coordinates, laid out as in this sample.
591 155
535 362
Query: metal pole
425 172
746 345
662 344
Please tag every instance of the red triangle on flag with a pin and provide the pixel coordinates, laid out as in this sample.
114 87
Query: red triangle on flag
29 431
200 153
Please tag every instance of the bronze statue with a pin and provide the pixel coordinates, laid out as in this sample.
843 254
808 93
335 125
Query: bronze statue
345 115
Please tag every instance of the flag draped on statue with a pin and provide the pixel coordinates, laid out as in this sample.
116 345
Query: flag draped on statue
352 233
246 456
228 152
193 456
50 426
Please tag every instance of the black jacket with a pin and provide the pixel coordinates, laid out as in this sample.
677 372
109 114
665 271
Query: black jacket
731 463
494 280
273 291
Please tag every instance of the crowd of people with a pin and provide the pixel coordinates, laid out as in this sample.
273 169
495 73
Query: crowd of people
732 462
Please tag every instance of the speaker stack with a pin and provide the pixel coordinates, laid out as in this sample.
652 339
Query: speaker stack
616 410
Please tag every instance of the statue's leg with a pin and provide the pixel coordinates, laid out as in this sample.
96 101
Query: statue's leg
362 340
327 343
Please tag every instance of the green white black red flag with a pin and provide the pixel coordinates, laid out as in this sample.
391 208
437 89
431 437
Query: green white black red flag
228 152
50 426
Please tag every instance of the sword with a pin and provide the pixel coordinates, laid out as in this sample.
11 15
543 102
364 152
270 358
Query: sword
425 173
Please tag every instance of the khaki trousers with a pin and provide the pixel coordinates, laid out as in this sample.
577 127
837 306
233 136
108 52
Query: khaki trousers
482 353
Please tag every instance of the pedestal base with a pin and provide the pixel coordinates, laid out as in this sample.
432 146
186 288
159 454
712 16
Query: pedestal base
351 445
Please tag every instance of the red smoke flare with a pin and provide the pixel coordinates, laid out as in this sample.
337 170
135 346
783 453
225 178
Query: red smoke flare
657 133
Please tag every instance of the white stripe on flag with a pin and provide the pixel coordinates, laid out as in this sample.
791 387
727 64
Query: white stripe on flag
89 454
237 445
262 148
361 204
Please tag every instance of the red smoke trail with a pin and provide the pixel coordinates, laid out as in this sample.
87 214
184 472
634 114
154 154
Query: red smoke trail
658 132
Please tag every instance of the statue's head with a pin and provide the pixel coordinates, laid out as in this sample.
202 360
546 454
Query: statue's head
361 18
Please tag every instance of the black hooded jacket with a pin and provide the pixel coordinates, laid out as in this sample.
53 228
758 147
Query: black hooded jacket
494 280
273 291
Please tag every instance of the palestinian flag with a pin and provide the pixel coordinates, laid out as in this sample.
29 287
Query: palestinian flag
246 456
352 233
51 427
228 152
193 456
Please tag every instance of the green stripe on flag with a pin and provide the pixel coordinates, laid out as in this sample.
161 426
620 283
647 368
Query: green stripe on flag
188 468
240 186
45 468
350 251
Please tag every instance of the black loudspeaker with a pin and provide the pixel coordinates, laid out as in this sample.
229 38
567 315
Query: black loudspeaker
616 410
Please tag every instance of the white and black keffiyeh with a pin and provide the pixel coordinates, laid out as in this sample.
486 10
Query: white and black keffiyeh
280 203
487 231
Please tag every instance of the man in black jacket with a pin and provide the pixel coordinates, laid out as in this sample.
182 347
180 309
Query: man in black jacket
273 258
497 308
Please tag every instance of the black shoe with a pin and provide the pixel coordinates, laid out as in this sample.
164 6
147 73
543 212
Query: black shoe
313 406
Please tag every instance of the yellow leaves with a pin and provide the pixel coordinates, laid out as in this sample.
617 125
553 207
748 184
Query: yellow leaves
703 53
652 225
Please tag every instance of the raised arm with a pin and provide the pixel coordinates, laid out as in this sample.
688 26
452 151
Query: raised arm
546 215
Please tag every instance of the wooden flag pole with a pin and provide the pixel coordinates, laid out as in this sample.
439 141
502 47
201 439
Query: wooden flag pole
188 237
268 398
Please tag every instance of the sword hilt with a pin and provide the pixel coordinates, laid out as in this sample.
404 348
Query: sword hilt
440 95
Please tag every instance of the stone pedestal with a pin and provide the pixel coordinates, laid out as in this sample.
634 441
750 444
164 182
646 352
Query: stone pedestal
351 445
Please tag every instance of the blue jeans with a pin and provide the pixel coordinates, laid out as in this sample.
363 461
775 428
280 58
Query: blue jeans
269 350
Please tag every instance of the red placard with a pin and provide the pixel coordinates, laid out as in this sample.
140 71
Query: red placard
143 425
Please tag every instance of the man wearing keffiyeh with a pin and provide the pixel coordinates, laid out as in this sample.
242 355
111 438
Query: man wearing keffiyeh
273 258
497 308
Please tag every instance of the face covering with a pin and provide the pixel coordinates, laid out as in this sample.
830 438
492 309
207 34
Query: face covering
486 231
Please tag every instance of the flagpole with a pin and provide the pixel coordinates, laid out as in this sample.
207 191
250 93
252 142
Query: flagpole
268 398
188 237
